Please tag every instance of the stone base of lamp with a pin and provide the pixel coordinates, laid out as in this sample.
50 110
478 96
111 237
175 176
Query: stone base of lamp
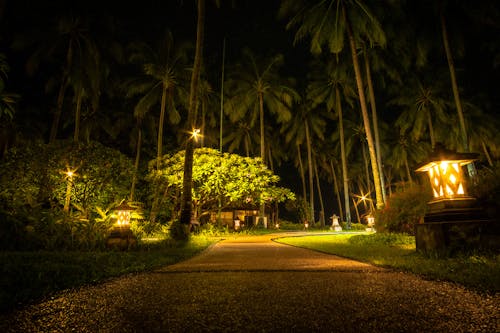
121 238
456 225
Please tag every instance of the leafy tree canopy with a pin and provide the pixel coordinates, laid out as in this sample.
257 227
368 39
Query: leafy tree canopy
236 181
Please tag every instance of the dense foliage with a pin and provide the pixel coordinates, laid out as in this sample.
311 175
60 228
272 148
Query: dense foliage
220 181
33 193
404 208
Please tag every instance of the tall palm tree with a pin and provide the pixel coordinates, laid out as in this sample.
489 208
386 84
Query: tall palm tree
186 200
329 84
307 124
255 87
70 39
327 22
423 110
161 83
242 138
407 151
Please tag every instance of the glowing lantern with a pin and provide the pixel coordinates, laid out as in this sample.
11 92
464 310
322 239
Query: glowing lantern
123 213
446 174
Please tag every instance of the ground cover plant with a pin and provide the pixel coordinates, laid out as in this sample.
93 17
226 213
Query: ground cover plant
475 271
30 276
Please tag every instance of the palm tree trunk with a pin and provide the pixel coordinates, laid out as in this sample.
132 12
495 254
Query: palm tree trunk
186 203
356 210
456 95
344 160
431 131
159 141
337 191
486 153
261 120
61 94
78 114
454 85
262 144
407 167
320 196
311 177
373 105
136 163
302 176
364 112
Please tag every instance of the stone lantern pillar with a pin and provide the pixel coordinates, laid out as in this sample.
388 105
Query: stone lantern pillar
454 221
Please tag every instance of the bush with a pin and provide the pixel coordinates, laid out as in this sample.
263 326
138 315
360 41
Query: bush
33 190
487 189
354 226
403 210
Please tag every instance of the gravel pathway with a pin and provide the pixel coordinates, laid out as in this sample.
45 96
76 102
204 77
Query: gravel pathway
256 285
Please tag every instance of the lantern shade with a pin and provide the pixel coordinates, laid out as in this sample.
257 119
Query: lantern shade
123 212
445 173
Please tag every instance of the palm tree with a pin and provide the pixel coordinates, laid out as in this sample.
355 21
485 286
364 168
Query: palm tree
162 82
307 125
407 151
255 87
327 22
423 109
328 84
241 137
71 40
186 200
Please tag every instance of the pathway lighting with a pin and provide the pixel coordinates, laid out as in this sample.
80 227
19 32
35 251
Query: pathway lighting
70 174
454 220
446 174
195 134
123 213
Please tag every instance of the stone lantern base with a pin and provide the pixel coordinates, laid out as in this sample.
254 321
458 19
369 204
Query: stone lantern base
456 225
121 238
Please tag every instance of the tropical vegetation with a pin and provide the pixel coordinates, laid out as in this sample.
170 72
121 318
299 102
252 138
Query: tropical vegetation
341 99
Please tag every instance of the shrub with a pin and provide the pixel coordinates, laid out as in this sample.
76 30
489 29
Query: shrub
33 188
403 209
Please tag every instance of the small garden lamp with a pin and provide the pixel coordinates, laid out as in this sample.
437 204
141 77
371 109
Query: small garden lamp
123 213
446 174
370 221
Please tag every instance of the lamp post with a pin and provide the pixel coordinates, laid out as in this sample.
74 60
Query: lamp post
69 177
121 237
123 213
446 176
454 221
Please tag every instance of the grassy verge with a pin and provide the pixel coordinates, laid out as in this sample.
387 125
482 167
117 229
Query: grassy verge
30 276
480 272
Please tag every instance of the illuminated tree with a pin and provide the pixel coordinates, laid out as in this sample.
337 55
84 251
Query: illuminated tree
228 180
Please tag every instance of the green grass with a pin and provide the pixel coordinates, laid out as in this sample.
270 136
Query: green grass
29 276
480 272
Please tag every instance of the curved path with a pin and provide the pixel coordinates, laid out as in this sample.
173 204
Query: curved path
251 284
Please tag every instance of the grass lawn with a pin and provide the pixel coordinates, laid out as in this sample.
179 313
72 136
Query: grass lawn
480 272
30 276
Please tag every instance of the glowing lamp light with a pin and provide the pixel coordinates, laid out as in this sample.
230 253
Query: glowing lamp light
195 134
446 174
370 221
123 213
